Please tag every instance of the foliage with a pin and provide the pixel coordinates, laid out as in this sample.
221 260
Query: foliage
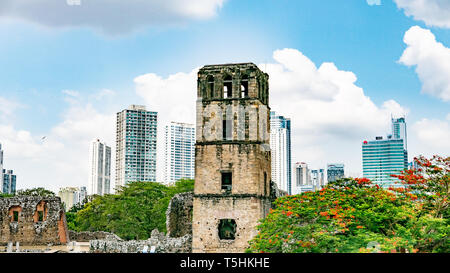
5 195
36 192
352 215
133 213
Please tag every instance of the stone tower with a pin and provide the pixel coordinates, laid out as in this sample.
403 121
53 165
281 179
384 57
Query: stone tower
232 157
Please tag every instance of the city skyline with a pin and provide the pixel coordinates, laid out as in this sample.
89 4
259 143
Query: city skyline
338 76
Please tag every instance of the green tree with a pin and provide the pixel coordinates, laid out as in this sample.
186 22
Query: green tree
352 215
36 192
133 212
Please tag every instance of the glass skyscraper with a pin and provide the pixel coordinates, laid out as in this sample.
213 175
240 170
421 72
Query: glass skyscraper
135 145
7 178
335 171
383 157
280 145
179 152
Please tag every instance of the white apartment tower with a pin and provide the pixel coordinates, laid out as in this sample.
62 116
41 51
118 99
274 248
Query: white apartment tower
100 158
303 178
179 152
280 145
135 145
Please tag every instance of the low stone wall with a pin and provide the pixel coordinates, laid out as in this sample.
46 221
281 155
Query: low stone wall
161 242
86 236
179 215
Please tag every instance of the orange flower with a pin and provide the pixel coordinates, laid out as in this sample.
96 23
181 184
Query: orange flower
359 227
289 213
323 213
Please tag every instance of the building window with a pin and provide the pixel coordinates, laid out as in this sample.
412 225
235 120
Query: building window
211 86
265 183
227 87
227 181
227 129
244 87
15 216
227 229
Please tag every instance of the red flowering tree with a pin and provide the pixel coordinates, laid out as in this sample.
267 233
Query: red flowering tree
352 215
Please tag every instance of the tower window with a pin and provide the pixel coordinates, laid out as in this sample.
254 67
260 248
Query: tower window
226 130
265 183
211 86
15 216
227 229
227 87
226 181
244 87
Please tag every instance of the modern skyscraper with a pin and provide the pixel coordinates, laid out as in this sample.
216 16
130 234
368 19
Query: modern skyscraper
280 145
303 178
381 158
135 145
1 169
318 178
334 172
100 159
7 178
399 132
179 151
8 182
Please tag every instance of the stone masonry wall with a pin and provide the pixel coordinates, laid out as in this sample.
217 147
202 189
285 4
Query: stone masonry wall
161 242
32 220
179 215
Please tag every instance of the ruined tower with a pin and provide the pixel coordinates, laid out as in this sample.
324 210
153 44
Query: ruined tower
232 157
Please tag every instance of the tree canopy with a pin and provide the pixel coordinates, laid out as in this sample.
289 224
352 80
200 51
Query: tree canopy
132 213
353 215
36 192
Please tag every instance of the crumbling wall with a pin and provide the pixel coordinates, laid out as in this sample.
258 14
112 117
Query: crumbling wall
86 236
179 215
275 192
32 220
161 242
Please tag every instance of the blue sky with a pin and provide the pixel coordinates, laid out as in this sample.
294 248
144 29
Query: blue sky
99 62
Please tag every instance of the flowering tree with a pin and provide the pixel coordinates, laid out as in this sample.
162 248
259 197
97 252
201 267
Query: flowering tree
352 215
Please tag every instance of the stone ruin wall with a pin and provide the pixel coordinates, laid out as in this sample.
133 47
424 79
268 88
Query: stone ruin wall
32 220
177 240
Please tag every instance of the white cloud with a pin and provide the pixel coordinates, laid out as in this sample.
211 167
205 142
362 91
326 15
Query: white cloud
432 61
61 158
433 135
374 2
111 16
330 114
432 12
7 108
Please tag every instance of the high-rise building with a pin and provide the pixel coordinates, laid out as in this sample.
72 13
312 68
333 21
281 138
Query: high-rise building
135 145
381 158
1 169
179 152
7 178
100 159
280 145
8 182
335 171
318 178
72 196
303 178
399 132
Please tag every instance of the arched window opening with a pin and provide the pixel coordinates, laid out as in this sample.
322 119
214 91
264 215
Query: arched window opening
244 86
227 87
211 86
